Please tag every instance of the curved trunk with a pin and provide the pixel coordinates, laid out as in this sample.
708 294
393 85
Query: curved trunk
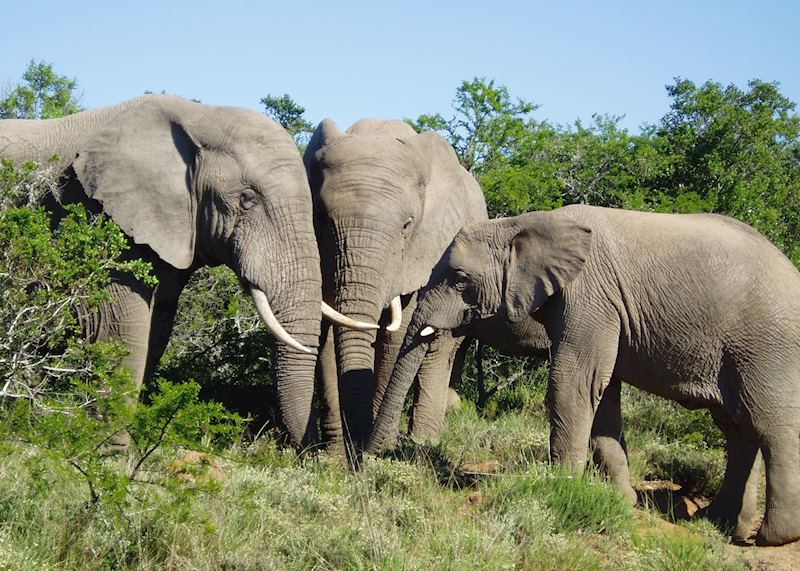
412 354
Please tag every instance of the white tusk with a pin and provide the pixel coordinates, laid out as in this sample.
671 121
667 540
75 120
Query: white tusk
264 310
427 331
339 319
397 314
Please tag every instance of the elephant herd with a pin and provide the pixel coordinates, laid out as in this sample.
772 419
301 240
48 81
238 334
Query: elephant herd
371 258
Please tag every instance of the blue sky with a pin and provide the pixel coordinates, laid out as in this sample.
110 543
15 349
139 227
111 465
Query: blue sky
352 59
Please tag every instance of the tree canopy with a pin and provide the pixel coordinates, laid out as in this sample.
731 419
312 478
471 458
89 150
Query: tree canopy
43 94
717 149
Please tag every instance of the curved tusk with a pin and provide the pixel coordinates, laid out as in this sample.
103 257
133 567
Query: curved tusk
339 319
427 331
397 314
264 310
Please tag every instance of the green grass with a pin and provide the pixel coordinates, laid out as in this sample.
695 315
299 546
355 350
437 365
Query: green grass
411 510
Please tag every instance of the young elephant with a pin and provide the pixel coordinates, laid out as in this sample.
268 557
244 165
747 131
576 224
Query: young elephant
699 308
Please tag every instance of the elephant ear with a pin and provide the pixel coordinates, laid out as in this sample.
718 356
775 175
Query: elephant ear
139 166
451 198
547 254
326 132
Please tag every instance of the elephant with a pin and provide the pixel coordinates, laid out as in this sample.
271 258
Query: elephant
192 185
697 308
387 202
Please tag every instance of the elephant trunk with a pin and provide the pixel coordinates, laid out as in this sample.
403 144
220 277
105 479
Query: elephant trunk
356 358
362 260
291 282
409 361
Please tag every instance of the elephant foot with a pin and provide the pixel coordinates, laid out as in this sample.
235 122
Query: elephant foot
626 491
453 400
778 529
739 525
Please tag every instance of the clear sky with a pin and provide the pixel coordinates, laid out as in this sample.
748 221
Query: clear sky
349 59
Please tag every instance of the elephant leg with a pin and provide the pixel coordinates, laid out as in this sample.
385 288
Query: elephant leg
432 384
781 448
609 451
457 370
735 504
164 307
583 364
126 317
328 381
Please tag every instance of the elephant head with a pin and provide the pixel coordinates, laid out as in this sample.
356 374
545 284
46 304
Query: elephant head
502 271
206 185
387 202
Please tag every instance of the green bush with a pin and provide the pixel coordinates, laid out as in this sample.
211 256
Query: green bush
575 503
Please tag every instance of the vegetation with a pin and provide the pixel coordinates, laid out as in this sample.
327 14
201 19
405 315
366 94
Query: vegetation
209 485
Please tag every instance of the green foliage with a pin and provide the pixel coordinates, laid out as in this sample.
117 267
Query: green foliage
42 95
485 125
66 402
289 114
575 503
218 341
719 149
47 279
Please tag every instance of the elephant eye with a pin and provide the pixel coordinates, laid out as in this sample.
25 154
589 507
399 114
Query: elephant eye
248 198
407 224
460 278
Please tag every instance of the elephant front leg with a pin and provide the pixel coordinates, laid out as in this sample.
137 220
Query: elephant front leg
580 372
126 316
609 451
432 383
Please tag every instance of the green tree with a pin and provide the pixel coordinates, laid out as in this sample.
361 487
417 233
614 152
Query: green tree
732 151
289 114
42 95
486 123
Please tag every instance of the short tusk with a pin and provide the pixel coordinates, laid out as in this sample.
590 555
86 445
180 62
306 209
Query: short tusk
397 314
427 331
339 319
264 310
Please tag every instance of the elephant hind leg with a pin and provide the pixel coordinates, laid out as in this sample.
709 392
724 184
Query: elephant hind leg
609 451
781 448
735 504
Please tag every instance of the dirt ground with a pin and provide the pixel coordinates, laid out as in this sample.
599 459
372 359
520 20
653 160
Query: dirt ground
666 498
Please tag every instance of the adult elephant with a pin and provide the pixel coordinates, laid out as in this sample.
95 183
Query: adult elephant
387 202
700 309
192 185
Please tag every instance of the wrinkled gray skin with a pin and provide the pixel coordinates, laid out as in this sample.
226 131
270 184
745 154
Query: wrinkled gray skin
387 203
700 309
191 185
